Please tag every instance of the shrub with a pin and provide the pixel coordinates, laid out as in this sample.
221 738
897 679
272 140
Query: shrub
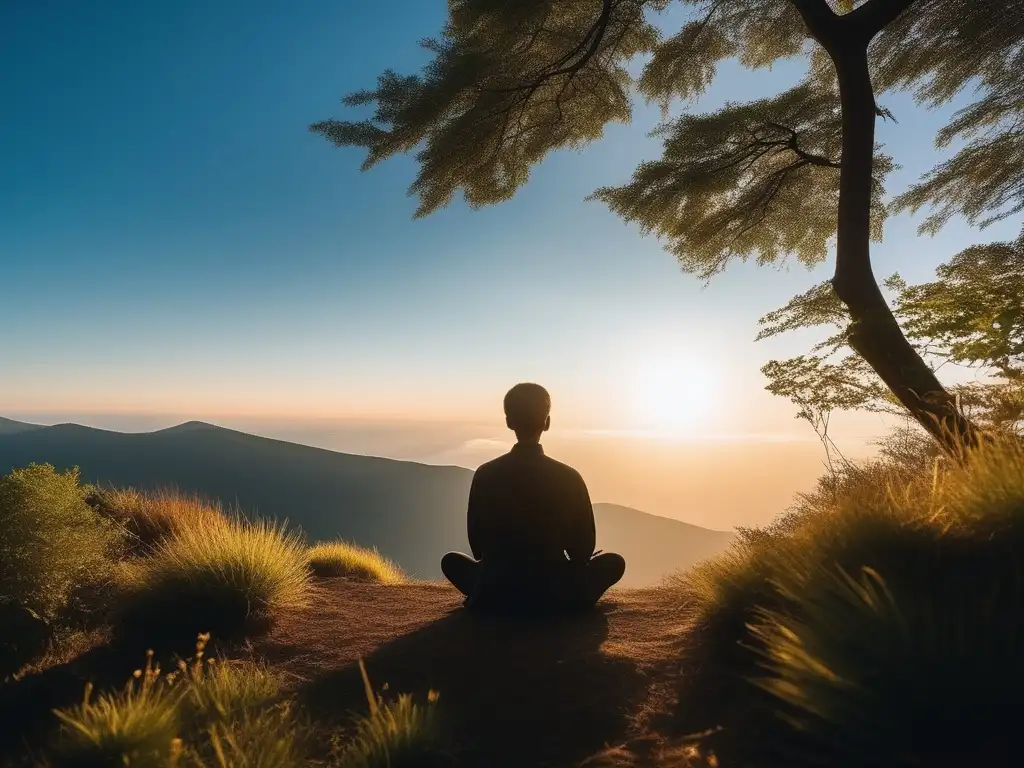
227 579
51 541
395 734
888 602
340 558
149 518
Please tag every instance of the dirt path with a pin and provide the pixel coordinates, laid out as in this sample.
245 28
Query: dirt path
515 692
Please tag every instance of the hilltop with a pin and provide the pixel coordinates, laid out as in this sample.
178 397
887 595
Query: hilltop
556 691
413 513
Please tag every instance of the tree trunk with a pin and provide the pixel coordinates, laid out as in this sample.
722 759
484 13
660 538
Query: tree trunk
874 333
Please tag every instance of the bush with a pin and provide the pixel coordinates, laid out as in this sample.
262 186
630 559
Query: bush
51 541
200 714
54 551
149 518
852 617
228 578
395 734
339 558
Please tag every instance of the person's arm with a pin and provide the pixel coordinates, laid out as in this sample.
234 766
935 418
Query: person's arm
583 532
474 517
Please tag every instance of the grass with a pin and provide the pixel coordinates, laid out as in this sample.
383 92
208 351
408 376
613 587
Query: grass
150 517
395 734
201 714
138 726
899 596
230 715
341 558
227 578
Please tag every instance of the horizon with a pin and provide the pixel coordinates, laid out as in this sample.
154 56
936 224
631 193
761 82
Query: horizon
626 470
184 246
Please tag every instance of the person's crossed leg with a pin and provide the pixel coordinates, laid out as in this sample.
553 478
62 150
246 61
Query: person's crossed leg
572 587
531 525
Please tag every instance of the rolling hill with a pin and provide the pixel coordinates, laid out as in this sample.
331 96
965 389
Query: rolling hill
412 512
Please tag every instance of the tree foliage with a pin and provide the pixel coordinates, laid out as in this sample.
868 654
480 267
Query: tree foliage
511 82
971 315
783 176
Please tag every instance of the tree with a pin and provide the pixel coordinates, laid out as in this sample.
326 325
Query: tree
771 179
971 315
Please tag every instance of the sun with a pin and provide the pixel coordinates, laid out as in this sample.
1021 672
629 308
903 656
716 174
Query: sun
673 396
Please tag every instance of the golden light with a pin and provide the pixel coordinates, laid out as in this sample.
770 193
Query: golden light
673 396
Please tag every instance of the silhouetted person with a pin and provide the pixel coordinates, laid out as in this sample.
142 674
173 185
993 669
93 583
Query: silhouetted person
531 525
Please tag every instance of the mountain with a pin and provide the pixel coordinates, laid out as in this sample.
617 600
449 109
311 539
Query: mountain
11 427
412 512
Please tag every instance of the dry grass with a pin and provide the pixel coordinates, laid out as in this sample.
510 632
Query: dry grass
151 517
890 600
226 579
199 714
340 558
394 734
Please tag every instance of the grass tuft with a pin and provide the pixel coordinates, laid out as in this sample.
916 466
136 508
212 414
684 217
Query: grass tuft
201 714
395 734
137 727
889 600
226 578
340 558
150 517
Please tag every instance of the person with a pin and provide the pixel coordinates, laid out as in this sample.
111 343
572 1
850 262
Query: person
531 525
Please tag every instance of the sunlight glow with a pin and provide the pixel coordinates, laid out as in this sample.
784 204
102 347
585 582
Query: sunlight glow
671 397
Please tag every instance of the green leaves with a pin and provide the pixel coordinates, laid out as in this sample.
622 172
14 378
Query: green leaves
757 180
939 49
509 83
971 315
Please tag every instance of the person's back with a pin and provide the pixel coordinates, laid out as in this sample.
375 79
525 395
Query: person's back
530 524
525 506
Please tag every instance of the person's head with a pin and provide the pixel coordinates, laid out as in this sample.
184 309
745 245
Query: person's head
528 411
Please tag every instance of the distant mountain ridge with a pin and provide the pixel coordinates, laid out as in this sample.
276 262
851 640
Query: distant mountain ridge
11 427
412 512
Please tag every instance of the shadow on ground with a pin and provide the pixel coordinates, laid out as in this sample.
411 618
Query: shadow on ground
513 691
26 706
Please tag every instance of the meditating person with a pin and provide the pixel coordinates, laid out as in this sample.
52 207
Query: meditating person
531 525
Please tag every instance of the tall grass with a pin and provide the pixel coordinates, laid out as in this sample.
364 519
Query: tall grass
138 726
226 578
340 558
870 625
201 714
395 734
150 517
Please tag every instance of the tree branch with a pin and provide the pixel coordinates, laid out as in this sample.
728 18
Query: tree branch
821 22
874 16
561 67
810 157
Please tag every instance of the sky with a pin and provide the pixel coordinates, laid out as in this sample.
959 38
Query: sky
175 244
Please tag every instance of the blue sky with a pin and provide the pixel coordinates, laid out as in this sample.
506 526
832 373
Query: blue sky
173 239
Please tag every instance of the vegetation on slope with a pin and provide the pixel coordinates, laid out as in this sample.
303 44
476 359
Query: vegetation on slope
234 714
149 518
56 558
342 558
864 622
225 577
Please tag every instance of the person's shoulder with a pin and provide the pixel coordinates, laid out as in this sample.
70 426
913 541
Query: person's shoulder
563 469
494 464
